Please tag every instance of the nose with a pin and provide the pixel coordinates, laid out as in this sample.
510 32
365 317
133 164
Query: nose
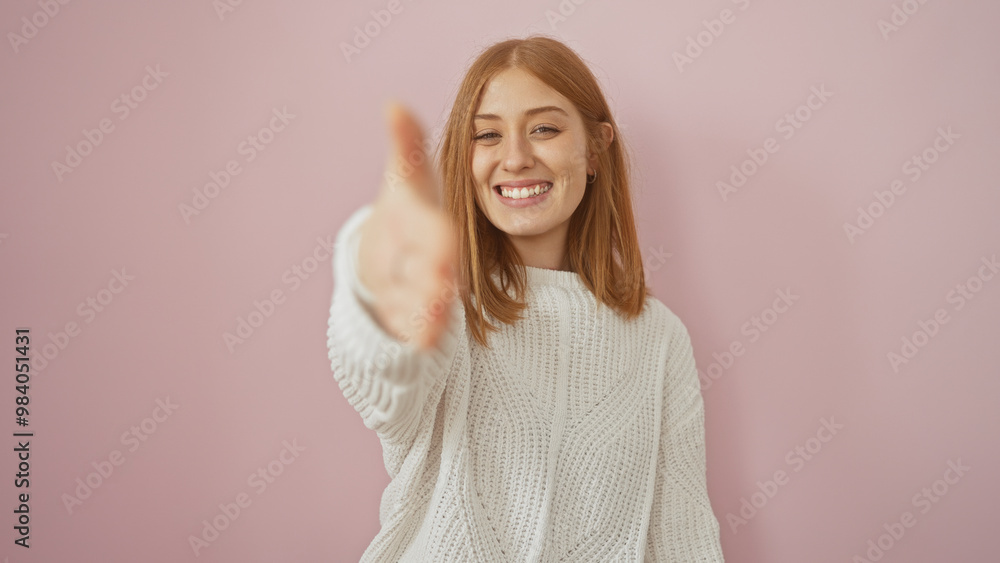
517 154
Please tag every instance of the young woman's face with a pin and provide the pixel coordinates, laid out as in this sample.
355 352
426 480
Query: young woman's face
526 134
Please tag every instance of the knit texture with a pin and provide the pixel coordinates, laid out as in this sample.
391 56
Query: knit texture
576 436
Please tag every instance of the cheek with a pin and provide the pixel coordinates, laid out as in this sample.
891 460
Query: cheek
579 160
569 156
480 168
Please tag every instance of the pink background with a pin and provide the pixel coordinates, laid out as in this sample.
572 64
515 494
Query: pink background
825 357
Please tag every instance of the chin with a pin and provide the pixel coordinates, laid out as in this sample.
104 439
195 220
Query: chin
524 227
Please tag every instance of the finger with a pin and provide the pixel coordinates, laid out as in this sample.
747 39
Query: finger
408 159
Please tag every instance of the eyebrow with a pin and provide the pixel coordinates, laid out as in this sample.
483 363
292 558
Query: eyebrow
529 113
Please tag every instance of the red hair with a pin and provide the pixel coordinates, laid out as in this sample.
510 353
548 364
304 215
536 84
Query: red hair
601 246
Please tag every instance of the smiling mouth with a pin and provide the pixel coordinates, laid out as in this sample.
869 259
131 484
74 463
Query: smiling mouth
523 193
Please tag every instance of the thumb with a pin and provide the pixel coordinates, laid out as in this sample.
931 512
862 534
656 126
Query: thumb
409 167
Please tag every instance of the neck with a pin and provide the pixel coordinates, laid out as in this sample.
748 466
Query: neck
546 251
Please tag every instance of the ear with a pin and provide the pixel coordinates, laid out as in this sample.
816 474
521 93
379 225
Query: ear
607 133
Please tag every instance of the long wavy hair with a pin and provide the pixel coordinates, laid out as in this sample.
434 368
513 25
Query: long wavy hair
601 246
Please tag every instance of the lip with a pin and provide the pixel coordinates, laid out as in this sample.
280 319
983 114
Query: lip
526 202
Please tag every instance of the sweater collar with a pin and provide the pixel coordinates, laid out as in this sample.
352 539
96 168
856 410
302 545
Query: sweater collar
539 277
544 277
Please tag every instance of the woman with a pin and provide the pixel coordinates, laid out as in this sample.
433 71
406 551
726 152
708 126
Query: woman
533 402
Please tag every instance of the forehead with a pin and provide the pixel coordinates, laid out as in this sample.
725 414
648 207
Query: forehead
513 91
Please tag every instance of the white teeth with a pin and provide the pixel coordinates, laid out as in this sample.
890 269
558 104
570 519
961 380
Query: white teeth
522 193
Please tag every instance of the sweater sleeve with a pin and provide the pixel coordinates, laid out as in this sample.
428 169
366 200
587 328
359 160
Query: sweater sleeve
682 527
385 380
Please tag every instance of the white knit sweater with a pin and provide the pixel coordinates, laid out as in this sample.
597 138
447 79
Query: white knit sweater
577 436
